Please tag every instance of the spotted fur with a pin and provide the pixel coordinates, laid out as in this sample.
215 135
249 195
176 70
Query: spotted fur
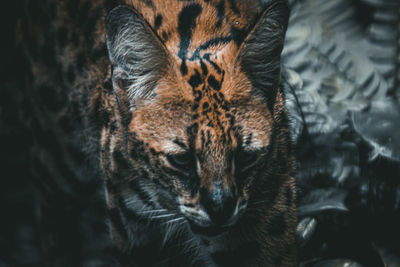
180 104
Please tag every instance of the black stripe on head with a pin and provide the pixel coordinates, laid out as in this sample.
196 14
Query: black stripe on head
220 12
209 43
157 22
215 42
234 7
195 80
216 85
238 35
203 67
186 23
164 36
215 66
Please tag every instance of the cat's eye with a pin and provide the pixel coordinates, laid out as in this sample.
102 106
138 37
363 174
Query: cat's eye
182 161
246 158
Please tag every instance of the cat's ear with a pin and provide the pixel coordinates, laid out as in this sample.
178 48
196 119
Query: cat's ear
260 53
137 55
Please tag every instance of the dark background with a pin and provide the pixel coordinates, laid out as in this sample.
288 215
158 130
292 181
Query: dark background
19 238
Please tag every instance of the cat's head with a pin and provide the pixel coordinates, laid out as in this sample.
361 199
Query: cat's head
192 117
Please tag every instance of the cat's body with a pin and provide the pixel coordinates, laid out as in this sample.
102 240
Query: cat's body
188 121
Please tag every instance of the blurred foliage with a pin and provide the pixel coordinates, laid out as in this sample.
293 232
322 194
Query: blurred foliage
341 79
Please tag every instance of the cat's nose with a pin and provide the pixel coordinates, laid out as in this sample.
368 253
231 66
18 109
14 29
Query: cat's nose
219 204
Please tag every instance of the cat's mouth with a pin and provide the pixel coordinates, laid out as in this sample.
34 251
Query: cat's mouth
211 229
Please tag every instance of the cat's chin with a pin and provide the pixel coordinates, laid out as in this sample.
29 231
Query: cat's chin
208 231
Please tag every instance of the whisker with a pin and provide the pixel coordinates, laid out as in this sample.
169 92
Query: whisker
162 216
130 201
174 220
151 211
258 202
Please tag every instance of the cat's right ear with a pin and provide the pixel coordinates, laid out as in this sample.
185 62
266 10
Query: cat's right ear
260 53
137 55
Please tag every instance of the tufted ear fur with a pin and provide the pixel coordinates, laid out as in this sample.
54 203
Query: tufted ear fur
259 55
137 55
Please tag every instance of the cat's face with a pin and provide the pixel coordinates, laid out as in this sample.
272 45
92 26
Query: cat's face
205 154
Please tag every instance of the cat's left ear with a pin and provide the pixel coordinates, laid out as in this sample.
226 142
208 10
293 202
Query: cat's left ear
138 57
260 53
